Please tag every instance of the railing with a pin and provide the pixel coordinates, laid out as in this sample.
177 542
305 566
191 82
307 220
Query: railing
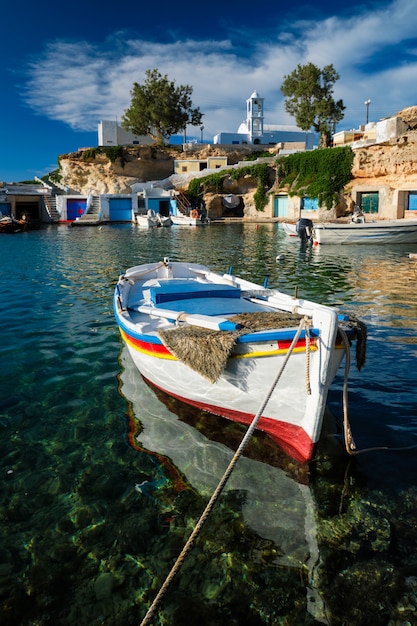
183 203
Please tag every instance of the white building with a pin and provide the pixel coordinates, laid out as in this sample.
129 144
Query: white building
254 130
111 134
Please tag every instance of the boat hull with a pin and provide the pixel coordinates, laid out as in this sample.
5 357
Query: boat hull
290 229
152 220
288 393
379 232
239 393
186 220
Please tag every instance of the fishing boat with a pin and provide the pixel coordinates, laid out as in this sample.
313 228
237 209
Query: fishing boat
152 219
194 218
234 348
290 228
10 224
366 232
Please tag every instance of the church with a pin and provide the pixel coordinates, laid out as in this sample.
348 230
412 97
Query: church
254 131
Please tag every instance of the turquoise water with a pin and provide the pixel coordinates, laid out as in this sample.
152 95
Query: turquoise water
103 480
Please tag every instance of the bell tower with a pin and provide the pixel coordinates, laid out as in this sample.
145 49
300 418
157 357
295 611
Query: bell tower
255 117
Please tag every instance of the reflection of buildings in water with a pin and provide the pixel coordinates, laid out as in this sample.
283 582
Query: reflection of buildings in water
379 276
275 506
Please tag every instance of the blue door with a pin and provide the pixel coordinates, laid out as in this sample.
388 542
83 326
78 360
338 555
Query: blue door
281 206
370 202
412 201
75 208
5 209
120 209
309 204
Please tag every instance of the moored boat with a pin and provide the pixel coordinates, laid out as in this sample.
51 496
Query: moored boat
290 228
10 224
193 218
152 219
233 348
366 232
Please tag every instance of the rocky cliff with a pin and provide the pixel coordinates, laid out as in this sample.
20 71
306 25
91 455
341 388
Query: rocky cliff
92 171
394 164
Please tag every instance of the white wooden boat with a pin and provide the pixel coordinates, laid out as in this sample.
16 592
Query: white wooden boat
193 219
290 228
218 342
9 224
377 232
152 219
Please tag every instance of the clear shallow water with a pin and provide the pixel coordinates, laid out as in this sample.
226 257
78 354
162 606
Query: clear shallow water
102 481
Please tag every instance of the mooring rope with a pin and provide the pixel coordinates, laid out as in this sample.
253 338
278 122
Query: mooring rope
349 441
178 563
308 349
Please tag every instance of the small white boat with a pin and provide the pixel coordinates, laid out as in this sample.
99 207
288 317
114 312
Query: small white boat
193 219
290 228
217 342
152 219
364 232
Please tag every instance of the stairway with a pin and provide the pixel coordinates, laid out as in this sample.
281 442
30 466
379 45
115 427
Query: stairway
183 203
91 217
50 206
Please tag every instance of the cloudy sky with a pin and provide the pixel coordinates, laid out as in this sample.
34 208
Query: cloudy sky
63 68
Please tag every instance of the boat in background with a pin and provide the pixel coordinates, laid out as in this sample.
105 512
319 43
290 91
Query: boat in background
302 229
10 224
363 232
193 219
152 219
290 228
218 342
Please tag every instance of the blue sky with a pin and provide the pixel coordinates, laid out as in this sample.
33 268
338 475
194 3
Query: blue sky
64 68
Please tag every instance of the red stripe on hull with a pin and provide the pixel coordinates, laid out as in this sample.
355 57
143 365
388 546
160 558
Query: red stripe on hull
293 440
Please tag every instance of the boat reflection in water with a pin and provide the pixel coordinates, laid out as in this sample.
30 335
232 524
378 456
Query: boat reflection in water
276 506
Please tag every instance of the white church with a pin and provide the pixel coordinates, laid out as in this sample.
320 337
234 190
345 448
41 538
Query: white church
254 131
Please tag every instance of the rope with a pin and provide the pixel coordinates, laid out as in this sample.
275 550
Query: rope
349 441
143 273
308 346
187 547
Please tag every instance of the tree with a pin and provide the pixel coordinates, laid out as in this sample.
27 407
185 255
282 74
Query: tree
159 109
310 99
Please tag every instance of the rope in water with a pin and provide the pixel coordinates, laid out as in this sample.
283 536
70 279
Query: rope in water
350 444
178 563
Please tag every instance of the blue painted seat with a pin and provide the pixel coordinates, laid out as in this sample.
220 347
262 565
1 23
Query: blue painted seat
173 290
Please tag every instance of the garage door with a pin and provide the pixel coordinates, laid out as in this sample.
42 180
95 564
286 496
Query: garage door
412 201
75 208
120 209
281 206
309 204
369 202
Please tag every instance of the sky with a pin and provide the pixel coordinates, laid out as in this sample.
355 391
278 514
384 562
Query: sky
65 67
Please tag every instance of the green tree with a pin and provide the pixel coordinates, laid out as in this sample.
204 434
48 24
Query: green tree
309 93
159 109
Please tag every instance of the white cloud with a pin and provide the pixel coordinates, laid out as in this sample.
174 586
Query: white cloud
79 83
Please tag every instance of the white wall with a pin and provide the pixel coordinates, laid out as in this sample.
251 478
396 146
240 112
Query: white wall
111 134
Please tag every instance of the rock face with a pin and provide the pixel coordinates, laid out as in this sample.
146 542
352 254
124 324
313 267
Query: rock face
99 175
91 171
393 164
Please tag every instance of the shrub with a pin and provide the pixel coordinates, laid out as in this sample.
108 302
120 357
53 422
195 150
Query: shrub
320 174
